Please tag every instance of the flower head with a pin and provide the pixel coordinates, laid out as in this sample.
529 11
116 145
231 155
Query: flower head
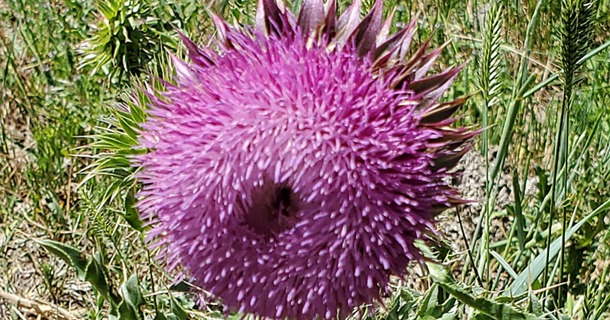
291 169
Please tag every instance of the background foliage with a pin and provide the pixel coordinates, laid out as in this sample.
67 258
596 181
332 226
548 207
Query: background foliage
71 244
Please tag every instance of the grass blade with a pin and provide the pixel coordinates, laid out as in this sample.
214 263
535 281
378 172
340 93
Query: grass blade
537 266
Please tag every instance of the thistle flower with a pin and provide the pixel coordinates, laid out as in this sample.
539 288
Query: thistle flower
291 169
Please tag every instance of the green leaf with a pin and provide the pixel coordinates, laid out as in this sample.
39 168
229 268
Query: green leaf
126 312
129 126
536 267
87 269
479 316
67 253
132 295
131 214
114 141
448 316
106 9
535 305
504 264
488 307
181 286
401 305
429 302
96 275
178 311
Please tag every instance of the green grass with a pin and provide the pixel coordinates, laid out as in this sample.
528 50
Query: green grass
540 84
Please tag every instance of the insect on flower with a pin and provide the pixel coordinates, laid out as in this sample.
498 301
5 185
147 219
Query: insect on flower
292 167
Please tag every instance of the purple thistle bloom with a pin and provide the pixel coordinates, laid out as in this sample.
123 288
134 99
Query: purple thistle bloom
291 170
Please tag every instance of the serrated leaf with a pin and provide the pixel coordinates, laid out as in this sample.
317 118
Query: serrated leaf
429 302
490 308
401 305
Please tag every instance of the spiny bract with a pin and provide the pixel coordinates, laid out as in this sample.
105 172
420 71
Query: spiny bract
291 169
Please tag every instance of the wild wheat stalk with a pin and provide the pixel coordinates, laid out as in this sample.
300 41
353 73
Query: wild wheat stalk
490 88
575 34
